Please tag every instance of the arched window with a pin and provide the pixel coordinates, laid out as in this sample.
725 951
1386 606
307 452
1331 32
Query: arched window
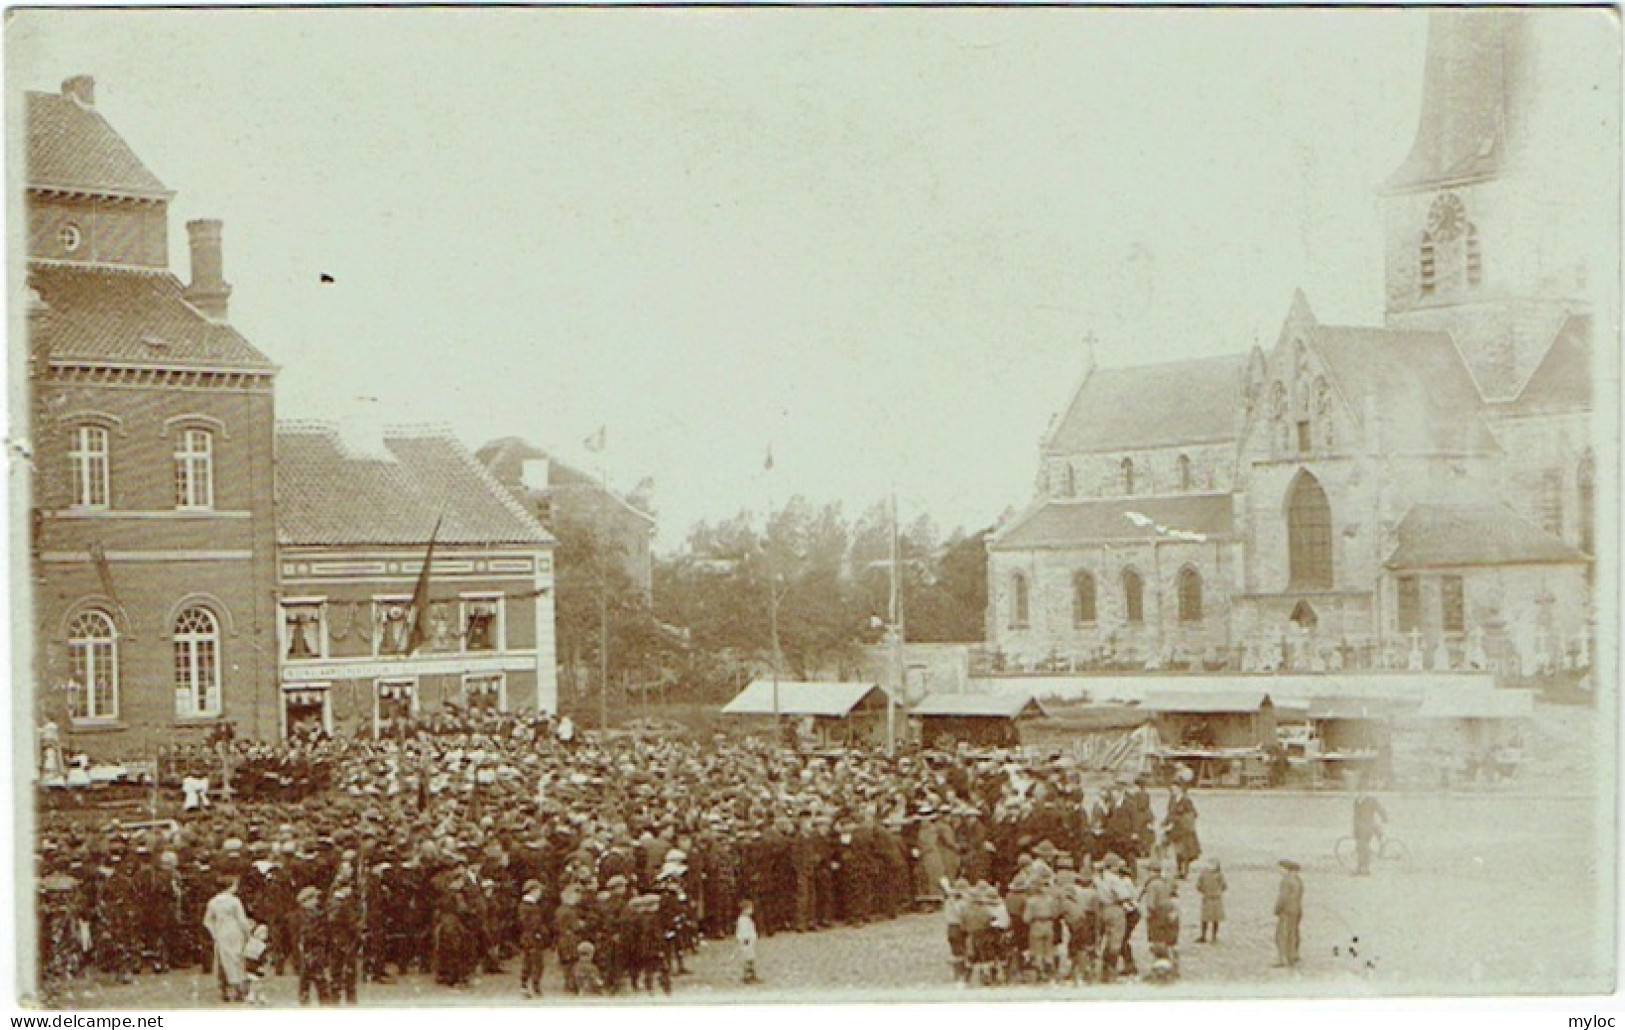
1586 483
1083 598
1133 596
87 466
1186 484
197 663
1428 266
194 469
1190 595
1309 535
1020 601
1475 258
93 666
1126 476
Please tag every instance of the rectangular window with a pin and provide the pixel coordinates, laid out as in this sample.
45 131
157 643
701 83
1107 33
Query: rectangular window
1452 607
1305 438
88 467
484 693
194 469
1410 603
304 629
482 623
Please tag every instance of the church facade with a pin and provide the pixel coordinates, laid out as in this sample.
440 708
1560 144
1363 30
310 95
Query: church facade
1419 495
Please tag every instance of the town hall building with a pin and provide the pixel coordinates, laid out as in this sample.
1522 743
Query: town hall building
1419 495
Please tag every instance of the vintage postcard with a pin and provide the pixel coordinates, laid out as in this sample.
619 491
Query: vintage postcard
534 506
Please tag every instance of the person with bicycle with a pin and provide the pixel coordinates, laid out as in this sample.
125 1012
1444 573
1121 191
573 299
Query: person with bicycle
1369 817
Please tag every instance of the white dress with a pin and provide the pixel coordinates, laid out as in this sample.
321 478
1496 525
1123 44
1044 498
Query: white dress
229 925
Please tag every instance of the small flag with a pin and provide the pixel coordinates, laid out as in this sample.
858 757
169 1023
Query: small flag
767 464
420 596
595 442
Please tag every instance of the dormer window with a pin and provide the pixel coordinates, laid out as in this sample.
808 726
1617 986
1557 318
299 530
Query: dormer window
69 238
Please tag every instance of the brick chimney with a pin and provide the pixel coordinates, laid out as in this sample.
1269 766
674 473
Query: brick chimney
81 88
209 292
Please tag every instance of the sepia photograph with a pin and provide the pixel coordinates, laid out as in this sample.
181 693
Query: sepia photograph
519 507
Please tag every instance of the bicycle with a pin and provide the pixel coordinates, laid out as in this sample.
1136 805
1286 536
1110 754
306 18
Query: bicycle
1384 848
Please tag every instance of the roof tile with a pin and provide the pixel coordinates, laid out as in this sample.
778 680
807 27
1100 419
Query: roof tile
71 146
1064 523
1170 403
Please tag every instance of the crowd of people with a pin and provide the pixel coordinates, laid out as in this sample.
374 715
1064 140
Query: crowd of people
468 842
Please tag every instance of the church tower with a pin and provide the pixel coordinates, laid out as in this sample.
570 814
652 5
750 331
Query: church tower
1486 221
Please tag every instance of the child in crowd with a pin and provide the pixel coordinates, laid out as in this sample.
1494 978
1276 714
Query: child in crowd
745 934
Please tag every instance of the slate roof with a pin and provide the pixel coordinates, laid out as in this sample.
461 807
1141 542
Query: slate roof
1421 385
1472 78
1207 702
328 495
72 147
131 316
1060 523
1162 405
1562 380
827 699
1474 533
973 706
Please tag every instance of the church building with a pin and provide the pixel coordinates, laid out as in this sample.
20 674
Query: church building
1419 495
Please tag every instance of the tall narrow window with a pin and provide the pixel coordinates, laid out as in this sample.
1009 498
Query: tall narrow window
194 469
1428 268
1409 608
1019 601
1475 258
1190 595
1551 502
1083 598
1586 491
197 663
1309 535
1069 481
87 466
1452 607
1133 597
1126 474
1185 482
93 666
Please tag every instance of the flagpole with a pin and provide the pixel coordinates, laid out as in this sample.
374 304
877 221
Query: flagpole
772 594
896 615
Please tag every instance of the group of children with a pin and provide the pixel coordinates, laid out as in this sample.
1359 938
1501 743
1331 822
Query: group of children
1059 923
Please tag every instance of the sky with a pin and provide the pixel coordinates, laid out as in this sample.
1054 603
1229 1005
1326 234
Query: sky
877 241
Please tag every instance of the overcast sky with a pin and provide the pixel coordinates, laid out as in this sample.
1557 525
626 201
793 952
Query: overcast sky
874 238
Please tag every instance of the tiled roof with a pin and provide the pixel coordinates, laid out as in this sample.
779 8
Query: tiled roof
1059 523
1435 534
1562 381
330 496
71 146
989 706
1418 379
505 457
830 700
1472 77
1171 403
131 316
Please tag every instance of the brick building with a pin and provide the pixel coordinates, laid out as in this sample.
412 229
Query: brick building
1416 495
151 419
354 524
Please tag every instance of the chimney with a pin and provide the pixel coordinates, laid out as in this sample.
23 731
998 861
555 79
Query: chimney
81 88
209 290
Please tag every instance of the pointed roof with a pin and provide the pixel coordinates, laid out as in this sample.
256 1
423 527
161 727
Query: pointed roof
1468 533
1472 83
1562 380
72 147
828 699
505 458
131 316
1068 523
1146 406
328 495
1418 379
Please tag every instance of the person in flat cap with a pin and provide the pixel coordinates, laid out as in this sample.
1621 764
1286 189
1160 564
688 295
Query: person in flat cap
1288 915
535 937
311 947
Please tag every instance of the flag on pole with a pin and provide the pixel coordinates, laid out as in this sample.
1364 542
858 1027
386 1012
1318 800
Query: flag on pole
419 613
595 442
767 463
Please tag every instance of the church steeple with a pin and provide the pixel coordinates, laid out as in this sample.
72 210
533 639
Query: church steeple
1484 231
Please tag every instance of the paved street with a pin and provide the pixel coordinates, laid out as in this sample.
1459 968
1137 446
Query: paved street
1498 895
